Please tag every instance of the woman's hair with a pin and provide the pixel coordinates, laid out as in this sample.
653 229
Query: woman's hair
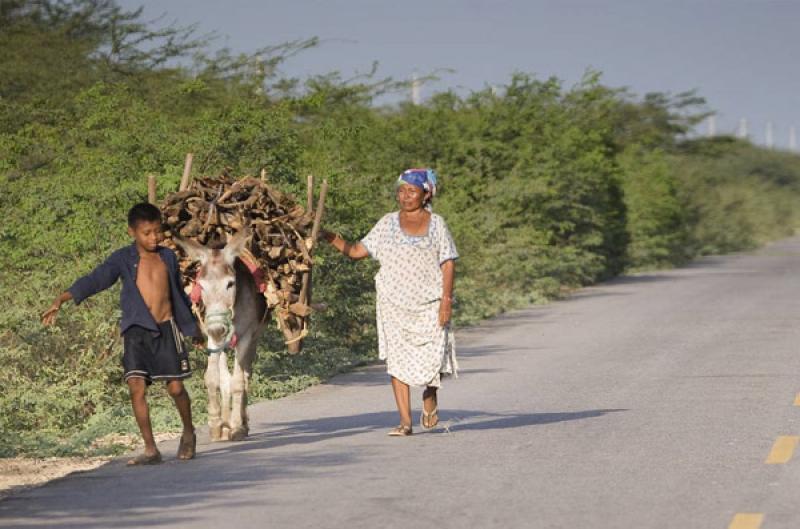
424 179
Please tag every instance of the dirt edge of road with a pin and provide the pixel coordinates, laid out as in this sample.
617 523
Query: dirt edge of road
21 473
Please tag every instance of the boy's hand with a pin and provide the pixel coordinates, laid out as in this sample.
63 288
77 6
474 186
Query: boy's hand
49 316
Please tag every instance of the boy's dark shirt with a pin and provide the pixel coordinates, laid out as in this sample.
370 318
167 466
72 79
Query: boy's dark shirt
123 264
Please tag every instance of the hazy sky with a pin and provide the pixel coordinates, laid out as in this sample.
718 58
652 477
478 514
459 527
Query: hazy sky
740 54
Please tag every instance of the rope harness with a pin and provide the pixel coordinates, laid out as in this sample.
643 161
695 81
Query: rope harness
225 317
217 317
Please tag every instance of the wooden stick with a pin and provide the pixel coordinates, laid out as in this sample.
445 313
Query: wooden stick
187 172
151 189
305 292
323 191
263 175
310 193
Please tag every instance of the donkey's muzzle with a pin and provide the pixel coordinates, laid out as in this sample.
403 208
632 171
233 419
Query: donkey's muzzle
218 332
219 326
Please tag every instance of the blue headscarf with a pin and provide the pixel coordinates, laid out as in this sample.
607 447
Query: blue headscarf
424 179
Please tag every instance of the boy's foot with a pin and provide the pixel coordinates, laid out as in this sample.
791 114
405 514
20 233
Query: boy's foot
187 447
145 459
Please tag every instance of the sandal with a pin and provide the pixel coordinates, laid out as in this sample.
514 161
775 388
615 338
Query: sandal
187 450
144 459
429 419
401 431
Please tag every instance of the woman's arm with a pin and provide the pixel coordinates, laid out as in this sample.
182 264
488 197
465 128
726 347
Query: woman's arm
353 251
446 305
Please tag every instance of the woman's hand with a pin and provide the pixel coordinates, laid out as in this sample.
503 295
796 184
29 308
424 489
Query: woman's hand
445 311
329 236
353 251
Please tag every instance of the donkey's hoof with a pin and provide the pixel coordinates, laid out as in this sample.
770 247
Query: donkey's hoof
239 434
216 433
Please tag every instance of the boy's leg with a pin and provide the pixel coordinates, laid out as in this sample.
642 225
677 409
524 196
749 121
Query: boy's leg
179 394
137 388
177 391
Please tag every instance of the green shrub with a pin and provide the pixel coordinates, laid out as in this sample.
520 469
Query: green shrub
545 188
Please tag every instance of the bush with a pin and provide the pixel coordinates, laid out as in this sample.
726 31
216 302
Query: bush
545 188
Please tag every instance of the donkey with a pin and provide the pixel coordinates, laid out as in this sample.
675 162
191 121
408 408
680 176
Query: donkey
235 316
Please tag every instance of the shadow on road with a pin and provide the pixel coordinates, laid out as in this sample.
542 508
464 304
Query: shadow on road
173 493
501 422
325 428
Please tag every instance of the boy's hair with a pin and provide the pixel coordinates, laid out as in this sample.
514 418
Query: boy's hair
143 212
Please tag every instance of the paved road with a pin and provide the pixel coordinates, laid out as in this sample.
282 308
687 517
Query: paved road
649 402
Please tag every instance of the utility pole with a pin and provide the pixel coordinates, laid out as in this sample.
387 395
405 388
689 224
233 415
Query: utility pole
792 139
415 89
742 132
768 135
712 126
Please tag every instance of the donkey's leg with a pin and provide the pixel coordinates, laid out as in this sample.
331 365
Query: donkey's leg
239 412
212 387
245 416
225 396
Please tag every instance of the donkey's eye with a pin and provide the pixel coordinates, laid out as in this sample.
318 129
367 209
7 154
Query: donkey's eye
229 285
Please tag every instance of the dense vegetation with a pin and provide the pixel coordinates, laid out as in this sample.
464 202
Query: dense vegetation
545 188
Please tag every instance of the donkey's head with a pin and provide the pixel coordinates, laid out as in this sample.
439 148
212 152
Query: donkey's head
216 278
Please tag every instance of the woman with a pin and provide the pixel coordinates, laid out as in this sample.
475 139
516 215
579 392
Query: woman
414 294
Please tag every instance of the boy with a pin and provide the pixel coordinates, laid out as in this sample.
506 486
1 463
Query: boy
155 312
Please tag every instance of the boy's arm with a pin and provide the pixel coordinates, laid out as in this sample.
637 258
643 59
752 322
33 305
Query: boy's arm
99 279
49 315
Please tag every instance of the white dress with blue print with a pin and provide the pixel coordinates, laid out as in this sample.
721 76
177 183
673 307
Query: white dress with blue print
409 286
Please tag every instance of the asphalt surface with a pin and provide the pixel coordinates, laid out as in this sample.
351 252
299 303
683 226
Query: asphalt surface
652 401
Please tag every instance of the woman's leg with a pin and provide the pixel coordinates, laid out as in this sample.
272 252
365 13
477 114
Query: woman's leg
430 404
402 396
429 399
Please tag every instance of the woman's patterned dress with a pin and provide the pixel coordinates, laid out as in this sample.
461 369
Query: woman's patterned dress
409 290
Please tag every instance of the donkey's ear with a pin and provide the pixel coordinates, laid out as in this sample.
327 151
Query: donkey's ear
235 246
193 250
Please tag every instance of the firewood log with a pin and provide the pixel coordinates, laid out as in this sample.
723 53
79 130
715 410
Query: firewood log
211 210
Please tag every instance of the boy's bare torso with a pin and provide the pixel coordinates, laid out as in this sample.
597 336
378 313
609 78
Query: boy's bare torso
152 280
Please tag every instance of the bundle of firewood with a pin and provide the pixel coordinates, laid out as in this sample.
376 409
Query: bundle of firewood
211 210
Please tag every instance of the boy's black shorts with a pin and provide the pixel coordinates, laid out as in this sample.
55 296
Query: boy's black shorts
155 357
